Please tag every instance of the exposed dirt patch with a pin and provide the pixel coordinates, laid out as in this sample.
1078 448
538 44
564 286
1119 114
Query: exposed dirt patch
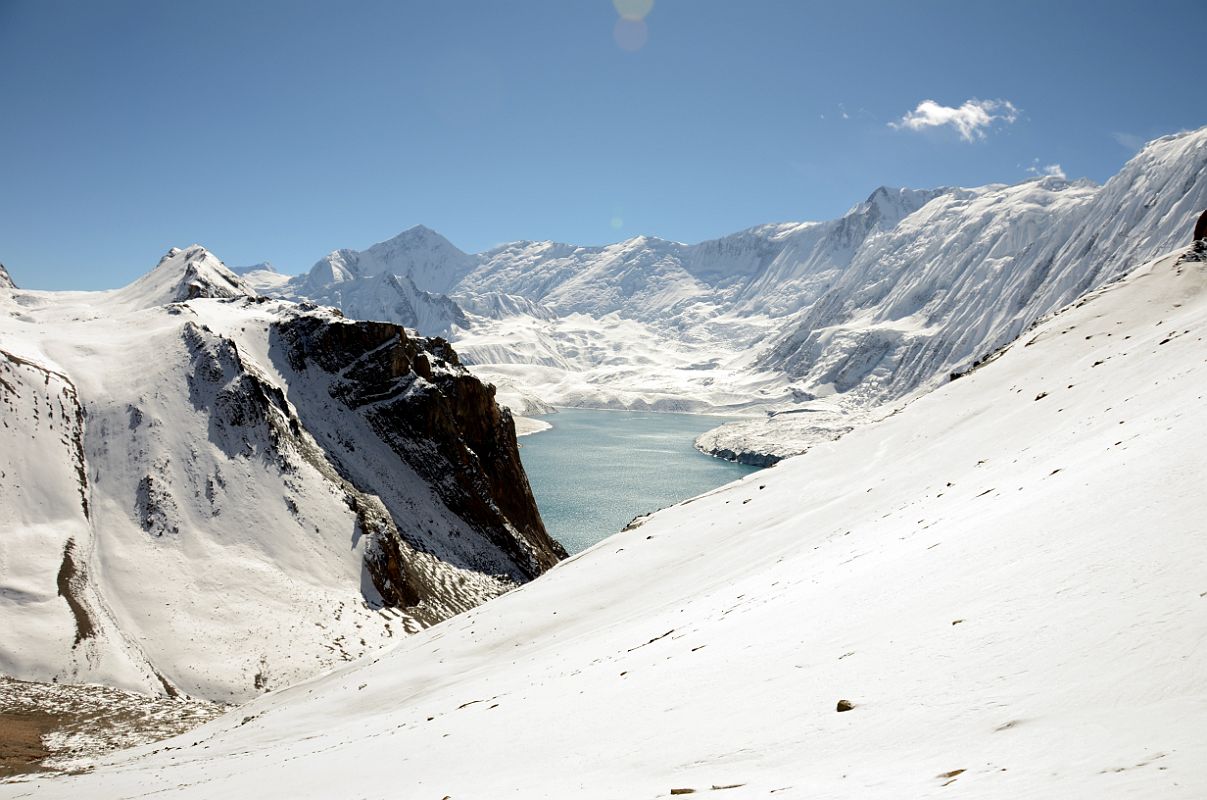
46 727
71 581
21 748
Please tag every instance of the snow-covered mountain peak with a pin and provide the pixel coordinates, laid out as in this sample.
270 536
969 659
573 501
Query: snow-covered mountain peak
383 282
888 205
1184 153
183 275
642 240
264 277
415 241
420 232
433 262
424 233
6 281
263 266
336 267
1163 144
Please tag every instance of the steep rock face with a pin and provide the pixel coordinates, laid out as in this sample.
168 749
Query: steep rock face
438 418
6 281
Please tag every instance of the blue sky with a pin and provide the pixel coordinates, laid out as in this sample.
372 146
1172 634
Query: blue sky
283 130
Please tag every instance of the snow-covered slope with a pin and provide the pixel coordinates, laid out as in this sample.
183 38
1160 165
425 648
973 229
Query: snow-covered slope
963 276
181 275
1005 580
394 298
6 282
208 492
971 270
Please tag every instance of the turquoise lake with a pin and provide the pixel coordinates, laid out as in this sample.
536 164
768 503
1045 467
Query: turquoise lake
596 470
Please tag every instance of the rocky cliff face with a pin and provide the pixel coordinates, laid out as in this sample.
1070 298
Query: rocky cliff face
6 281
443 422
214 494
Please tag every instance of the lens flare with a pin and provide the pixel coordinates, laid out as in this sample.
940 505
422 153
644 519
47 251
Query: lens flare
633 9
630 34
617 223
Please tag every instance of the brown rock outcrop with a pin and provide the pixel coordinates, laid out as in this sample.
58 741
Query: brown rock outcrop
439 419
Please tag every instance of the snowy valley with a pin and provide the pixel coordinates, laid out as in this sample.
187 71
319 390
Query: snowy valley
608 400
1002 586
977 565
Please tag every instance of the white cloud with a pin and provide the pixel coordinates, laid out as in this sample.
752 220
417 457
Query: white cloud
971 119
1046 171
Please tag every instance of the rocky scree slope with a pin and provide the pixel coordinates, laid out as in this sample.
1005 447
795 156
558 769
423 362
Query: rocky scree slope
211 493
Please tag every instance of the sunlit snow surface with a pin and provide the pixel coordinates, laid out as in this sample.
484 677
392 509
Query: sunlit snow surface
1008 579
596 470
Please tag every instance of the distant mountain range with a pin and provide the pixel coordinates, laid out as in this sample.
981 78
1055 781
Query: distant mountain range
906 288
